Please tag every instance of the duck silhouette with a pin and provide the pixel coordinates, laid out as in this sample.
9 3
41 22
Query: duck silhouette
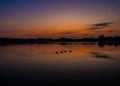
65 51
56 52
70 51
61 51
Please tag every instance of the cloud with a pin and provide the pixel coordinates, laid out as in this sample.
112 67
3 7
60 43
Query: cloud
103 24
100 25
66 32
111 31
93 27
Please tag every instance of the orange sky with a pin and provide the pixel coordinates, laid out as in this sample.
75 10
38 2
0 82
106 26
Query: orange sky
57 19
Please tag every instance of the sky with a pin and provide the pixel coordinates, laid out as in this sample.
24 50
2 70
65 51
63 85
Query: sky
59 18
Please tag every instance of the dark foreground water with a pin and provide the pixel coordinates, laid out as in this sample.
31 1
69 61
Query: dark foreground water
59 64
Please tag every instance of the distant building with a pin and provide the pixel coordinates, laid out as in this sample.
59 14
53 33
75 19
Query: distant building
101 37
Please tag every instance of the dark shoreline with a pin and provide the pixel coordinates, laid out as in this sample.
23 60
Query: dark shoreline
100 40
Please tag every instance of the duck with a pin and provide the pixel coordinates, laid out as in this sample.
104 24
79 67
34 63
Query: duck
70 51
65 51
56 52
61 51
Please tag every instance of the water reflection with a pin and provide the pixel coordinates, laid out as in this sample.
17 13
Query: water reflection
100 44
44 52
56 62
101 55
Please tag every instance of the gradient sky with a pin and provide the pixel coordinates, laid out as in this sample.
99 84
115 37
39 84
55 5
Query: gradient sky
59 18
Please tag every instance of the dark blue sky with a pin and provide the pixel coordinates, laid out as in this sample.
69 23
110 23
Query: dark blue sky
6 6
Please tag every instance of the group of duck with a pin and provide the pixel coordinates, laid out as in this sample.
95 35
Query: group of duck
64 51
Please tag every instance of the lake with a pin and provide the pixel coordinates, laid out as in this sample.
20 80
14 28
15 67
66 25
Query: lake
59 63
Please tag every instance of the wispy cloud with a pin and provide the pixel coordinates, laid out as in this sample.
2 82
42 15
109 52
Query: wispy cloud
100 25
93 27
103 24
112 31
66 32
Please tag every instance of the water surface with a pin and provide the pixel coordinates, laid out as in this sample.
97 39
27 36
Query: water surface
56 63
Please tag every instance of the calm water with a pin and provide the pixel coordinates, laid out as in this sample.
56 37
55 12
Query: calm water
57 63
